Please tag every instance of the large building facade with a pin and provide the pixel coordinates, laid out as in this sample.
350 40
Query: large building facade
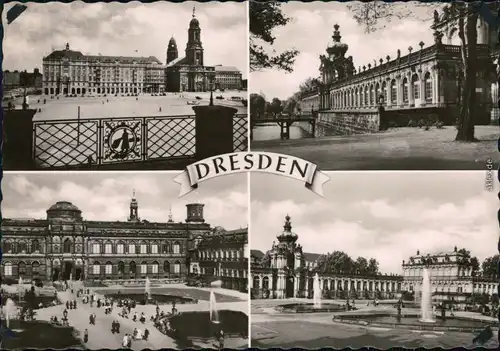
189 72
423 83
69 72
64 245
451 277
286 271
223 256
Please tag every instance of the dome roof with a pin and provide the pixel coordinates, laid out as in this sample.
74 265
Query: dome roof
172 41
63 206
194 23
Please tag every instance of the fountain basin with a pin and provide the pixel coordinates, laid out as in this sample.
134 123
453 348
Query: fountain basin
41 335
197 324
413 322
305 307
160 299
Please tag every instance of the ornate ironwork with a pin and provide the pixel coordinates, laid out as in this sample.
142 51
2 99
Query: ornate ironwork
69 143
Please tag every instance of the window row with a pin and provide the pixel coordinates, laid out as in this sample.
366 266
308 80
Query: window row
144 248
22 269
224 254
21 247
107 268
369 95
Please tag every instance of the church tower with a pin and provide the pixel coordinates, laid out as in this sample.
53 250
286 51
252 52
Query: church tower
134 210
194 49
172 52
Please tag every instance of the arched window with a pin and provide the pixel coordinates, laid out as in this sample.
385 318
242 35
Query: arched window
428 87
120 248
177 267
144 248
256 282
67 246
108 248
394 92
265 283
405 90
154 248
7 269
176 248
361 96
108 269
372 95
377 91
132 267
384 91
166 267
144 267
35 246
154 267
165 248
7 247
416 86
96 268
35 269
121 267
21 269
22 247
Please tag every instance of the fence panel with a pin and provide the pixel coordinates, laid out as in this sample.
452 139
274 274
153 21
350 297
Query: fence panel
240 133
170 137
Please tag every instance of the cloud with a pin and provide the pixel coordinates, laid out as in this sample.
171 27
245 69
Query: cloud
121 29
106 196
310 31
385 215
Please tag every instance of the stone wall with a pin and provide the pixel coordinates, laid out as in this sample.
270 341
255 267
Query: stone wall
346 122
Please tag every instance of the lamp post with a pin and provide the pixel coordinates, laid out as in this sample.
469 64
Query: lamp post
211 86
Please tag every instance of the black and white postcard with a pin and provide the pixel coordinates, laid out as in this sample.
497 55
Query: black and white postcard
116 260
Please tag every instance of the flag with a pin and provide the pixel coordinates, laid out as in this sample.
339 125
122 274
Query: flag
14 12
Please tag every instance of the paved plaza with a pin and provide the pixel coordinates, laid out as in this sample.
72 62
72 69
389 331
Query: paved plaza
173 104
395 149
100 336
315 330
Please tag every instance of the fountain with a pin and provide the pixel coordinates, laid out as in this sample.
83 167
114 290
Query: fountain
214 314
426 301
10 311
147 289
316 292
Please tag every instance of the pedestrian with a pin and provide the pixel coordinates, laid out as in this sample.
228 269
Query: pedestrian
67 305
129 342
65 313
113 327
85 336
134 318
146 334
91 316
125 340
117 325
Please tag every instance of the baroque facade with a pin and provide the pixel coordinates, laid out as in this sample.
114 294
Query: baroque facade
223 256
283 272
71 72
426 80
189 73
65 246
287 275
451 279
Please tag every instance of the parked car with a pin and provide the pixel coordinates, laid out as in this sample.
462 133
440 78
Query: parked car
198 97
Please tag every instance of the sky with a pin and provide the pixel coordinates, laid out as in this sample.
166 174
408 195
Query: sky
119 29
106 196
311 28
384 215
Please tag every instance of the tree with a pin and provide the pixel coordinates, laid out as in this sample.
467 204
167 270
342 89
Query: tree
264 17
372 267
276 106
490 266
257 104
457 17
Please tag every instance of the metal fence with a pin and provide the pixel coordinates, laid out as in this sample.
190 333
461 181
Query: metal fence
71 143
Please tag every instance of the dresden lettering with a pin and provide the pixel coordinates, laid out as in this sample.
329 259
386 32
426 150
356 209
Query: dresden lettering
237 162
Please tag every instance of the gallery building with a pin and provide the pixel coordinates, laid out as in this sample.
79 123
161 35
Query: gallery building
283 272
420 83
64 245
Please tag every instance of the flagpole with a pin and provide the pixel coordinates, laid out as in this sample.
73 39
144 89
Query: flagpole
78 129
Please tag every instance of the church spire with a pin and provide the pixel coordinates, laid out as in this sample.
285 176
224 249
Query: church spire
134 209
194 11
170 220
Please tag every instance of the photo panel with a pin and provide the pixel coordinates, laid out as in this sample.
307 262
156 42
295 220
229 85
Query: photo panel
123 86
375 85
116 260
384 259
